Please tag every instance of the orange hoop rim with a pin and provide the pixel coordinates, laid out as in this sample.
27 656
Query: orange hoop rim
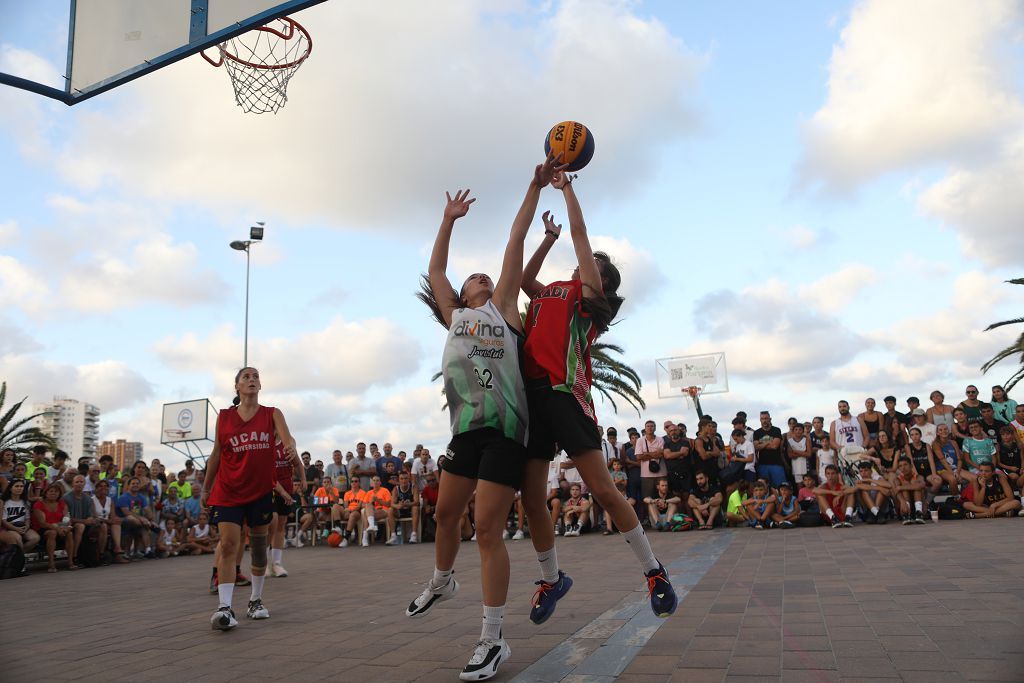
292 27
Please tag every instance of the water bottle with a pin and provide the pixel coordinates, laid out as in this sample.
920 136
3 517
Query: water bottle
66 521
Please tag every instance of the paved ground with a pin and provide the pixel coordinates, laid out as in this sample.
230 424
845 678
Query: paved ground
941 602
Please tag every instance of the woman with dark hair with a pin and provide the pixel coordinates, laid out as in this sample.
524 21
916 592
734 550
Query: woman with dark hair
487 407
16 521
239 487
50 519
1004 407
563 321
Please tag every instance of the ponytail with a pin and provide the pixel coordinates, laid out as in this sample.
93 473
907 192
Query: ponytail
604 309
427 296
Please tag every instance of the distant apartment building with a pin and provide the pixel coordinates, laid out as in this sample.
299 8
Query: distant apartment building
125 453
73 424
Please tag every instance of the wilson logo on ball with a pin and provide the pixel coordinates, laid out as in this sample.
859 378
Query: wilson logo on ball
573 141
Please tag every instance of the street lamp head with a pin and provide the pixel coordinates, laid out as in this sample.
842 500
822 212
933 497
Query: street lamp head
240 245
256 231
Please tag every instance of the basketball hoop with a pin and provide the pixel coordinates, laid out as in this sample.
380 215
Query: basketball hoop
176 434
692 395
262 61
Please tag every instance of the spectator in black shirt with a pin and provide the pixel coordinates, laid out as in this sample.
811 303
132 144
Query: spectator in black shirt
989 424
313 475
894 422
768 444
705 502
677 460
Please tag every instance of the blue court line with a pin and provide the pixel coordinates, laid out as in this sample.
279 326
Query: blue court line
628 625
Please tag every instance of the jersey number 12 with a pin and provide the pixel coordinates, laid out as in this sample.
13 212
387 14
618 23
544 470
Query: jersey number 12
484 378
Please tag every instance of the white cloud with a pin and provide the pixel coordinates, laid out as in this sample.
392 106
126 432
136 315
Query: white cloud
914 82
21 287
108 384
344 357
14 340
834 290
8 234
462 87
984 205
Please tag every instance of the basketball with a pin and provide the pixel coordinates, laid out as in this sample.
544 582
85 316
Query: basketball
574 141
334 539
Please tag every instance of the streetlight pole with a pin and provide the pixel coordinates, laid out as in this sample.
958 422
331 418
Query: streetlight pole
255 237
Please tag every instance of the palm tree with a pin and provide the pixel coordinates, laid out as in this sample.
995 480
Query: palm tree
14 434
1013 349
612 376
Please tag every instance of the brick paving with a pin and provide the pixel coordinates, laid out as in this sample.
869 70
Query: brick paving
941 602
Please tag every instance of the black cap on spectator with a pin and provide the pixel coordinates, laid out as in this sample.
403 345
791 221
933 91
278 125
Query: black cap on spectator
786 485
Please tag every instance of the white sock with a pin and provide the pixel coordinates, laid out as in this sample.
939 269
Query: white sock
641 547
874 510
225 591
441 577
257 587
918 506
492 623
276 554
548 565
849 513
830 514
371 521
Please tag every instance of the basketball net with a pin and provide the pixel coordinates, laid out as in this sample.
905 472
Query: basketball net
692 394
260 63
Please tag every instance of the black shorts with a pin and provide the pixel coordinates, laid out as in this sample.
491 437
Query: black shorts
282 508
485 454
558 422
257 513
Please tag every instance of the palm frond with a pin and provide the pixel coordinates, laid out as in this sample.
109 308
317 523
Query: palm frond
17 434
1013 349
1004 322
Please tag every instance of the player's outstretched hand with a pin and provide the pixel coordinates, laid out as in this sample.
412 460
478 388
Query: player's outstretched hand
458 207
543 174
550 225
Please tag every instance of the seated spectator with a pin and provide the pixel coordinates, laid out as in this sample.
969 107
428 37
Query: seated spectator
886 456
109 523
705 502
576 510
405 507
37 462
132 508
760 506
1017 424
389 477
6 469
989 424
352 511
920 421
993 496
182 486
977 448
51 521
377 505
735 511
1004 407
961 426
174 508
621 481
835 498
59 468
908 492
67 479
805 497
787 512
167 542
193 506
872 493
920 456
92 477
557 493
742 450
16 521
940 412
83 518
326 509
946 459
37 485
662 506
428 501
520 518
202 537
1008 458
421 467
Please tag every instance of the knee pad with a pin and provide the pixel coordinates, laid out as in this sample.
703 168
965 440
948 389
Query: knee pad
258 550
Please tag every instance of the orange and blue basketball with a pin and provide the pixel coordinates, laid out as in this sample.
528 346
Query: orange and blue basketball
573 141
334 539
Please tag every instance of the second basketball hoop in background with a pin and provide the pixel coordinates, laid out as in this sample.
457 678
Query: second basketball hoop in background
692 376
260 63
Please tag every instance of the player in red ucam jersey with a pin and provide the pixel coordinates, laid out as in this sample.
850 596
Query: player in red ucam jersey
240 489
564 319
284 466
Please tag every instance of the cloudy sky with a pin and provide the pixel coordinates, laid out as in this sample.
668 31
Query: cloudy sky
829 193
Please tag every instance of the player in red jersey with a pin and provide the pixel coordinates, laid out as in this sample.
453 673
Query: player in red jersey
240 489
284 466
563 321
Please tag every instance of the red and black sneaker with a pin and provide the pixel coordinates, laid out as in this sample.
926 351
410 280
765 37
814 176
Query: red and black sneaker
660 591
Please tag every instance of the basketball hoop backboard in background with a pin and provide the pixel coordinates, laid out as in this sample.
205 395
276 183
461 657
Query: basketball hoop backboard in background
706 371
111 42
188 427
